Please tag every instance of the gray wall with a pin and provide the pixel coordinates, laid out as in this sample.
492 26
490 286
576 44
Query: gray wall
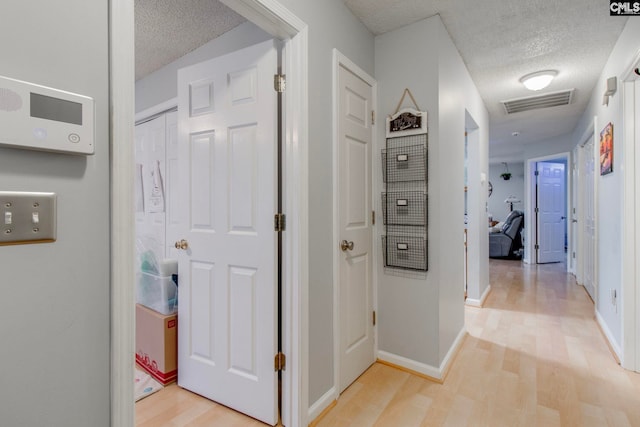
54 322
420 315
331 25
503 189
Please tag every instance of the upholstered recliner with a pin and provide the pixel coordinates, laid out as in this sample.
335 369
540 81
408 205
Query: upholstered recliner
507 242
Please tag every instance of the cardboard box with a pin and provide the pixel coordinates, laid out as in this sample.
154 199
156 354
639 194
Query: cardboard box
157 343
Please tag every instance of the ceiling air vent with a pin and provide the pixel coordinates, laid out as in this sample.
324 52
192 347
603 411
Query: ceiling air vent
547 100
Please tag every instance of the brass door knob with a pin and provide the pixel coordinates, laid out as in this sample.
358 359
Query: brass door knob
344 245
182 244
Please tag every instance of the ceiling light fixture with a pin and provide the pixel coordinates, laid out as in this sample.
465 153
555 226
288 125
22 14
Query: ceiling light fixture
538 80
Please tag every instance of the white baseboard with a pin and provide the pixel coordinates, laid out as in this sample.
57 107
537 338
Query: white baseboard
479 302
609 336
453 350
437 373
321 404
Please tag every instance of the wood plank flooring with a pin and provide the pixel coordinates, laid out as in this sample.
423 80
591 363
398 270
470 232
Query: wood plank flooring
533 356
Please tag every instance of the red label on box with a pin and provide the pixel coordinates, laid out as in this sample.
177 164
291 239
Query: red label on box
171 323
151 367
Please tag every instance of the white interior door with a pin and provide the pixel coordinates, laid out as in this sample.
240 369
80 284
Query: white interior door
355 228
551 212
227 294
589 226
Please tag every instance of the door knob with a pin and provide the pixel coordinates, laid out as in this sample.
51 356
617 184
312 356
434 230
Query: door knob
344 245
182 244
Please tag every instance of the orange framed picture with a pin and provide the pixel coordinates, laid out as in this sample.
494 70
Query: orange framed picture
606 150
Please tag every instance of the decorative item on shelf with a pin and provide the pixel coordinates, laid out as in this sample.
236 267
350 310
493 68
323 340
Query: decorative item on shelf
408 121
506 175
405 198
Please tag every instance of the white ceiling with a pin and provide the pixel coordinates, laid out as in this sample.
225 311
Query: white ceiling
500 41
169 29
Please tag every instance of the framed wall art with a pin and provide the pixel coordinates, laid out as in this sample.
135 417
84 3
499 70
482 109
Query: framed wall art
606 150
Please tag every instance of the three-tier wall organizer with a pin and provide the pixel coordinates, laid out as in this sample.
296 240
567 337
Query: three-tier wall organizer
405 201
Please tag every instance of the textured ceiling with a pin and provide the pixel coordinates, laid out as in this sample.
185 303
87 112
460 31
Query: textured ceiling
168 29
500 41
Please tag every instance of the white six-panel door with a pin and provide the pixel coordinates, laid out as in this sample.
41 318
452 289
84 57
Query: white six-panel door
589 226
227 293
354 186
552 212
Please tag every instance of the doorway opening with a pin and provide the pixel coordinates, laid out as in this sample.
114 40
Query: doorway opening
280 23
547 196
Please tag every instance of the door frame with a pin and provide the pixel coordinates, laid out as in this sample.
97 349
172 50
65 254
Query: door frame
341 60
278 21
531 256
630 357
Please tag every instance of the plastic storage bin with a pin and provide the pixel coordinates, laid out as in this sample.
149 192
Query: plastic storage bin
159 293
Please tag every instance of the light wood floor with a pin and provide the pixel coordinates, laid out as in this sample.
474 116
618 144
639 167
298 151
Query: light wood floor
533 356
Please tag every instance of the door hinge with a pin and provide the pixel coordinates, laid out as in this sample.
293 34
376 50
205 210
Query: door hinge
536 173
374 318
373 217
536 210
280 362
574 254
537 247
280 222
373 117
279 82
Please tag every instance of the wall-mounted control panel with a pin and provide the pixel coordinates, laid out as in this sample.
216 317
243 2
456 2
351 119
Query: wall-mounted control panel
27 217
36 117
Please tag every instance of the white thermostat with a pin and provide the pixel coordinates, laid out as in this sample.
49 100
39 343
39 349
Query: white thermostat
36 117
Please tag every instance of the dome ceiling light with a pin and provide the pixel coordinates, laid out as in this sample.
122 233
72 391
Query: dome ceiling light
538 80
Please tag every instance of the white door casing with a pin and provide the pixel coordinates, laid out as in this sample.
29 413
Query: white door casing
227 293
551 212
355 144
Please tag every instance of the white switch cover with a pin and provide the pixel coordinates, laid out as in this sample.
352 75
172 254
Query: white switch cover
32 217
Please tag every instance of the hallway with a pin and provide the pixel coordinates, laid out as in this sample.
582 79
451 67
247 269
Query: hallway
533 356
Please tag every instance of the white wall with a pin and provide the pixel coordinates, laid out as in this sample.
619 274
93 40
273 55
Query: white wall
459 97
162 85
420 316
610 187
503 189
549 147
54 324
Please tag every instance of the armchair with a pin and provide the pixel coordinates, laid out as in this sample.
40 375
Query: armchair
507 242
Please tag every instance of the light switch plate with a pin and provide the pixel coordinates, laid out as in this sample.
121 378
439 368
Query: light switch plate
27 217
